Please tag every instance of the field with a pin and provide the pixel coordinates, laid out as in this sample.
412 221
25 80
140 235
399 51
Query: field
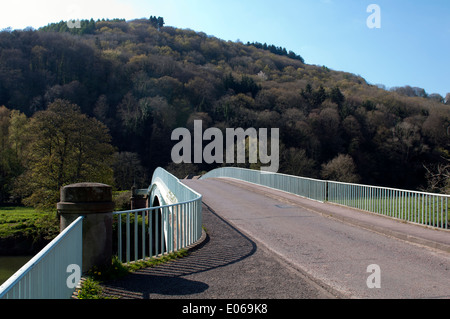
25 221
20 221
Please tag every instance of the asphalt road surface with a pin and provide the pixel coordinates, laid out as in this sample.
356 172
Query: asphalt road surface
226 265
330 252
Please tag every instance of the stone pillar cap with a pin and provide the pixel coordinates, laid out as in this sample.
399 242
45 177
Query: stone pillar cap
86 192
87 197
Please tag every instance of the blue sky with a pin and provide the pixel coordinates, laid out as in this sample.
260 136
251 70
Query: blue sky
412 47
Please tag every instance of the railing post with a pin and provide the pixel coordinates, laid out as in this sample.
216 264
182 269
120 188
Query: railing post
94 202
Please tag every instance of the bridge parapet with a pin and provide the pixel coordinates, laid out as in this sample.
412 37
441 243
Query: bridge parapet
416 207
168 219
94 202
87 225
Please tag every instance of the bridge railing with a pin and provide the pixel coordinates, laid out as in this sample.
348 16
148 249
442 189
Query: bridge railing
45 275
302 186
181 192
154 231
412 206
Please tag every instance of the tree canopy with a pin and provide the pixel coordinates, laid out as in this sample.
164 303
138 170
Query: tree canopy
63 146
139 80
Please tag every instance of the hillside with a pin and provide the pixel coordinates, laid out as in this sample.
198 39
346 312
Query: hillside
143 80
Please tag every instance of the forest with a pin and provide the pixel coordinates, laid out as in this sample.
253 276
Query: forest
100 102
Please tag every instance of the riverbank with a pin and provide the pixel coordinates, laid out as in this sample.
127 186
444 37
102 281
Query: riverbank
25 231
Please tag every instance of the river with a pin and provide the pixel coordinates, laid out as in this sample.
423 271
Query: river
10 264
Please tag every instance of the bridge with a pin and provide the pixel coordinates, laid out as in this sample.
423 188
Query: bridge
328 238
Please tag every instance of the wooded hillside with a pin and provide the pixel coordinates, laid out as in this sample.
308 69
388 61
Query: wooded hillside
142 80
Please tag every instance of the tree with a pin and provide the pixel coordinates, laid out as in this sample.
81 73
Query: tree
337 96
406 142
314 97
410 91
11 150
17 134
13 126
128 171
438 178
328 129
160 22
5 153
157 22
319 96
296 162
246 85
342 168
436 97
4 126
65 147
130 113
201 93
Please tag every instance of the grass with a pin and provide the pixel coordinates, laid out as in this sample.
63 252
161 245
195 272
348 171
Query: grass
26 221
91 285
431 211
91 289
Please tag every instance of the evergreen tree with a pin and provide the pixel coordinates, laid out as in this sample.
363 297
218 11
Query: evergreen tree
337 96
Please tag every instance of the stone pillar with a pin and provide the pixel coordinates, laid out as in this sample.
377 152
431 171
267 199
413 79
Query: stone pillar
137 201
94 202
133 198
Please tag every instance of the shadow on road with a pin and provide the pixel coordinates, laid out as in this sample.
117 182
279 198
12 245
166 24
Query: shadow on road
224 245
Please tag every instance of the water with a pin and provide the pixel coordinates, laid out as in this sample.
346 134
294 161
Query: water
10 264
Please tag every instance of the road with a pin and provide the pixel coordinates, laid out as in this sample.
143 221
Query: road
225 265
333 253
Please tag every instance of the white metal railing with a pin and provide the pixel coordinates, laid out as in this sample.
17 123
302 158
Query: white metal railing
413 206
417 207
302 186
153 231
45 275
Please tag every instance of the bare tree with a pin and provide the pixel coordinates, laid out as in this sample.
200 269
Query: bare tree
128 171
438 177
